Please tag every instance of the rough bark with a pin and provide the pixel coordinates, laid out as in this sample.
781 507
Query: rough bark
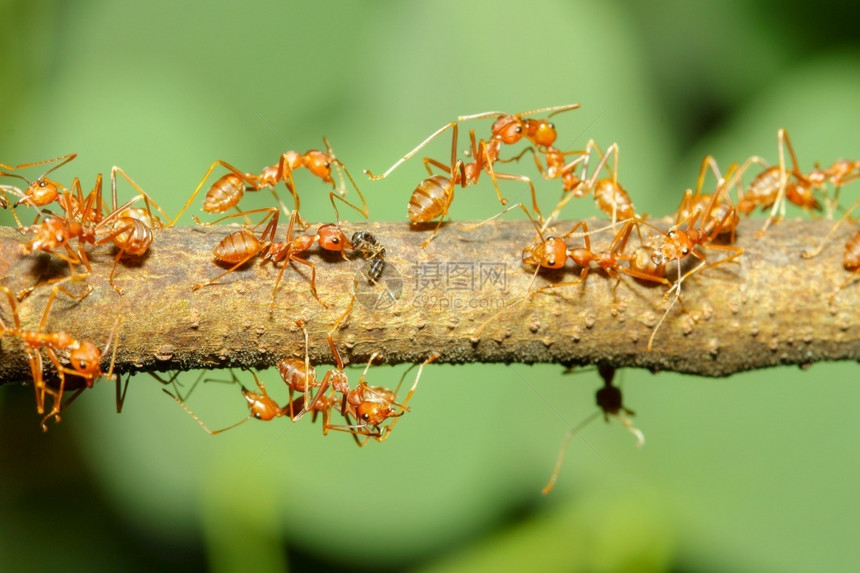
462 297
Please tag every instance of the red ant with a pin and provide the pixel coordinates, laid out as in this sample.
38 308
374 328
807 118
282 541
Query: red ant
609 196
838 174
84 355
261 406
511 128
240 247
776 184
131 231
609 401
42 191
851 262
553 252
557 166
228 190
680 243
433 196
124 226
296 373
722 214
373 405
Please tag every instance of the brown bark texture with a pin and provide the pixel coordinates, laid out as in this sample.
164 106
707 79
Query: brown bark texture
461 297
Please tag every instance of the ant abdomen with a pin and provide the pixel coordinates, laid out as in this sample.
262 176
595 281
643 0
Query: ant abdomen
224 194
237 247
430 199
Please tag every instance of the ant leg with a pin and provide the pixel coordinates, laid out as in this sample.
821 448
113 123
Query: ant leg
817 251
199 421
243 176
403 408
4 200
227 272
779 203
364 212
146 197
406 157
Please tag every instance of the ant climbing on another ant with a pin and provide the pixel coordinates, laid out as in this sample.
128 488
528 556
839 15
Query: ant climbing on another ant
701 231
610 403
84 356
228 190
125 226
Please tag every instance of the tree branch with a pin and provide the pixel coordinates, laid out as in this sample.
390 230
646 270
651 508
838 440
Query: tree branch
462 297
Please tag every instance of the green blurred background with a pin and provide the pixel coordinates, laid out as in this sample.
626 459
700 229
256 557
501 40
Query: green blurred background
753 473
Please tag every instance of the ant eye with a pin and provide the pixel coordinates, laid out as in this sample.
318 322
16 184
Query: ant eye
257 415
671 234
686 251
365 417
519 129
551 262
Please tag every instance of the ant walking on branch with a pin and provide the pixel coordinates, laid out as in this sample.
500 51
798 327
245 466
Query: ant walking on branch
433 196
228 190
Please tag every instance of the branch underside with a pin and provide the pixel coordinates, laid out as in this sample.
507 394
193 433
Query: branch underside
461 297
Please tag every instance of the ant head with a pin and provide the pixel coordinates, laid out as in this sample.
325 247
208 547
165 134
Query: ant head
361 237
41 192
540 132
320 164
331 238
50 234
85 361
261 406
549 254
508 128
374 413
